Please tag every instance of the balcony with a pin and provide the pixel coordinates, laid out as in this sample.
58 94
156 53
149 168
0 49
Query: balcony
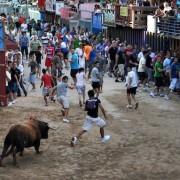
169 26
133 16
128 16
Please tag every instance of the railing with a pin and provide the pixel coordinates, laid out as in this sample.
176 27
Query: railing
133 16
169 26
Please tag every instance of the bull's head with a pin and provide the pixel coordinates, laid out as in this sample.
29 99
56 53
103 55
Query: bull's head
44 128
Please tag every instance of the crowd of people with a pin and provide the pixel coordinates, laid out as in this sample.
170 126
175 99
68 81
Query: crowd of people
51 50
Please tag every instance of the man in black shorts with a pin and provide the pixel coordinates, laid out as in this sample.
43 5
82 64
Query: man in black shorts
132 84
96 78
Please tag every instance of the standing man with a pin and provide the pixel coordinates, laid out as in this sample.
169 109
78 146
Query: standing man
132 84
24 43
74 62
112 56
96 78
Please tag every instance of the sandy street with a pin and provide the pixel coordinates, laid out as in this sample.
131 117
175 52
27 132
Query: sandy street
144 145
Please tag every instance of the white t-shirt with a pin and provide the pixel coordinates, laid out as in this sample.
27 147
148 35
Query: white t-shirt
134 81
24 27
63 45
139 56
21 68
80 53
8 77
80 79
142 62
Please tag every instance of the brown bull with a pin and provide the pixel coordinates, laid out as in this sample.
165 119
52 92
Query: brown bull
23 136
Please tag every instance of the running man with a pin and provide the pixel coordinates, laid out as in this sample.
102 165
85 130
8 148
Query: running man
91 106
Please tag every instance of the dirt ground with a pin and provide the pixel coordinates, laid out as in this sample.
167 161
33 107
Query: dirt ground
144 144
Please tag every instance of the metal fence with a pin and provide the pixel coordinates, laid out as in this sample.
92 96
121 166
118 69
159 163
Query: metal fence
141 38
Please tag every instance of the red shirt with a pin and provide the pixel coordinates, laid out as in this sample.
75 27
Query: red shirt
47 80
50 52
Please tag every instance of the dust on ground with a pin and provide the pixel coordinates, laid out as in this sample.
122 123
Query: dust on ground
144 145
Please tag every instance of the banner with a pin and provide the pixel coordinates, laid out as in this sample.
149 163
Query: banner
34 14
109 17
124 11
97 23
86 10
2 45
50 5
59 6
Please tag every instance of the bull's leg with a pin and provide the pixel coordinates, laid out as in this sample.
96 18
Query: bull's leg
21 153
36 146
14 156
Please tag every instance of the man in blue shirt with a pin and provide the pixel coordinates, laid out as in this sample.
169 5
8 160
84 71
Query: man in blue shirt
24 43
74 62
174 77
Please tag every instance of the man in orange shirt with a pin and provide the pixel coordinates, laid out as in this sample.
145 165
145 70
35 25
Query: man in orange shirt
87 51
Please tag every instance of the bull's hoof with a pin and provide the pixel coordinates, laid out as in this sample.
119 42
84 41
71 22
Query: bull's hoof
21 154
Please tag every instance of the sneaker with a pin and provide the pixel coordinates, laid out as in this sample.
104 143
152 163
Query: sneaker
117 80
65 120
73 141
161 95
10 104
166 97
129 106
152 94
105 139
136 106
14 101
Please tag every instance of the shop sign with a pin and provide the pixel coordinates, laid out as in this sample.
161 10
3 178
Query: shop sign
124 11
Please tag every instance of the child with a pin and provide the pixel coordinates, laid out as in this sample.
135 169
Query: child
38 60
132 84
46 82
80 85
91 106
61 90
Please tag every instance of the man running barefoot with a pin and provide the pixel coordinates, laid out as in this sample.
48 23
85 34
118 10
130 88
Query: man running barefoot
91 106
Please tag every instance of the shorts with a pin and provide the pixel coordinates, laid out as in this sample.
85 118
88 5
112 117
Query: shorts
48 62
32 78
74 72
96 85
158 81
81 89
64 101
132 90
173 83
142 76
89 122
13 87
7 90
24 49
121 69
46 91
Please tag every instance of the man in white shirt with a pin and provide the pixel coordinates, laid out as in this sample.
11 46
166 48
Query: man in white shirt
132 83
142 68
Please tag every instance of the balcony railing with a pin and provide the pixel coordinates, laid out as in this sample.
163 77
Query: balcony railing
128 16
169 26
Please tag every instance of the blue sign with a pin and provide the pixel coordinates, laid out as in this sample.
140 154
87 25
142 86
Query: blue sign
97 23
2 40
